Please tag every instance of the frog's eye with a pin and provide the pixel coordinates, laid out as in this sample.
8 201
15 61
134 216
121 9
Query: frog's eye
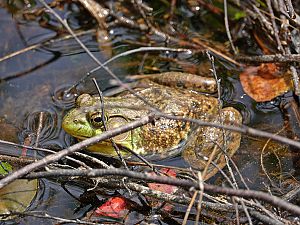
84 100
96 119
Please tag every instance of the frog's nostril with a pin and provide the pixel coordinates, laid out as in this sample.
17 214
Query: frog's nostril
79 121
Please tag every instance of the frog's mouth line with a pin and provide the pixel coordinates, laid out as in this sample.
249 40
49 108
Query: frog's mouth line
106 143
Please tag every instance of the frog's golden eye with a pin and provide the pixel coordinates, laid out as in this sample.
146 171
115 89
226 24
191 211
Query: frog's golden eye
96 119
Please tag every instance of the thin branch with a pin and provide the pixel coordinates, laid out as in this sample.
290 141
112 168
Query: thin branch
57 156
142 121
275 29
133 51
242 129
45 44
295 80
227 27
290 9
278 58
249 194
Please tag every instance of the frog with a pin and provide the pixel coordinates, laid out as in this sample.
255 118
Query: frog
164 137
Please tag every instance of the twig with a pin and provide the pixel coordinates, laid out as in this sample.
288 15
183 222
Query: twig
38 131
102 110
42 214
290 9
44 44
142 49
94 160
237 215
295 80
275 29
57 156
263 20
227 28
201 188
262 155
275 201
188 211
278 58
293 193
246 211
16 160
242 129
14 152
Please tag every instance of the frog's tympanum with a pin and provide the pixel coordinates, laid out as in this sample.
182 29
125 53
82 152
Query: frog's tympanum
164 137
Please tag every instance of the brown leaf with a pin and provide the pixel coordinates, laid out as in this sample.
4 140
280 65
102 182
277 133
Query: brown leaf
263 83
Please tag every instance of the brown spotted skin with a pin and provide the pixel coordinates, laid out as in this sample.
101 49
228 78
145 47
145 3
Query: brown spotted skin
210 138
163 135
186 81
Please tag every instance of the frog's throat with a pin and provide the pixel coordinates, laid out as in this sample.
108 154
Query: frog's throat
106 148
132 142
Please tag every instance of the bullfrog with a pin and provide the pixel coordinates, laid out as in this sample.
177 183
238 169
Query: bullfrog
164 137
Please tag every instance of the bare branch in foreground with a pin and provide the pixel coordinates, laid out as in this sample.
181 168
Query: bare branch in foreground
142 121
273 200
41 214
57 156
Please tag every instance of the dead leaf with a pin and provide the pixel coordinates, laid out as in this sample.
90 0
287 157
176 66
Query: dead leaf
115 207
165 188
263 83
16 196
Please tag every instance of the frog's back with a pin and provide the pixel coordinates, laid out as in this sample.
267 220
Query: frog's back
165 134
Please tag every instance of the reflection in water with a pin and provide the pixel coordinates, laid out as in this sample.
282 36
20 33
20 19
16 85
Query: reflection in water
51 199
62 99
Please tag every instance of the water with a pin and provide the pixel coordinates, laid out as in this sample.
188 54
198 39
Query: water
35 82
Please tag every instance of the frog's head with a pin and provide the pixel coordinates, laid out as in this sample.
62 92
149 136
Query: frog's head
86 120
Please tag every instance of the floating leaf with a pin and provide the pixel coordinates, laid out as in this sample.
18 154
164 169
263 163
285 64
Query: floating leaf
17 196
115 207
263 83
166 188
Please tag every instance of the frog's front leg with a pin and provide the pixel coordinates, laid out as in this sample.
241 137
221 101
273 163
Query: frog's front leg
204 139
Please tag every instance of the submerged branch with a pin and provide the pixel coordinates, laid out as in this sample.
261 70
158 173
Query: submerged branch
278 58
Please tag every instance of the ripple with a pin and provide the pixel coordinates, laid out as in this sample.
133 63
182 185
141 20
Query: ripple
44 128
63 99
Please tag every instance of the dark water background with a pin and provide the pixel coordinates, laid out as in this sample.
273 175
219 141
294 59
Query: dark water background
34 81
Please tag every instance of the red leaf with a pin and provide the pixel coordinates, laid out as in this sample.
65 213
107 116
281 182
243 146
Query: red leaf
115 207
166 188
